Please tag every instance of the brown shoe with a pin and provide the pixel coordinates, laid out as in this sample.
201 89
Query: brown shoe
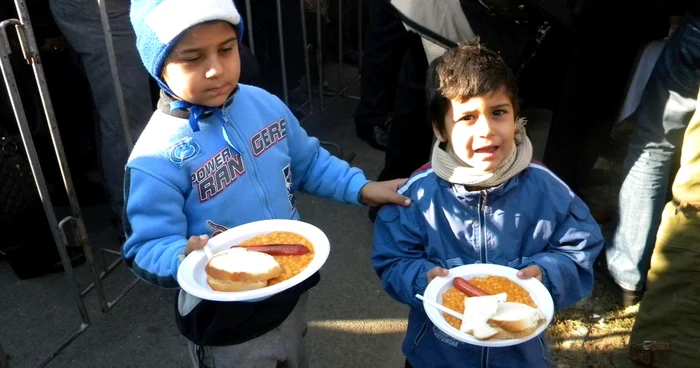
622 296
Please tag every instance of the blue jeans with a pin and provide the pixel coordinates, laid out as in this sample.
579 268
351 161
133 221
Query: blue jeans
79 21
663 114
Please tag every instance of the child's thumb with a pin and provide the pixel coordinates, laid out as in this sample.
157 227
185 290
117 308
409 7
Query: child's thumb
203 239
399 199
528 272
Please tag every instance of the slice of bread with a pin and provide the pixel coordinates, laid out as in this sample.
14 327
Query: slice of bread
477 311
505 335
516 317
238 269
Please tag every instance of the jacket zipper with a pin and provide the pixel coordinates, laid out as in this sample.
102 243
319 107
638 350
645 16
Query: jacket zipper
484 259
253 165
482 223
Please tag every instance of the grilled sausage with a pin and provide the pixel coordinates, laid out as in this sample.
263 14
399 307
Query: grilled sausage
279 249
467 288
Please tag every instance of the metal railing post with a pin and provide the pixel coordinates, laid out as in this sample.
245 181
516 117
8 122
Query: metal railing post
280 33
119 95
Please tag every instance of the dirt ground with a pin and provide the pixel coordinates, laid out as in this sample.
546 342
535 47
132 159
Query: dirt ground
591 334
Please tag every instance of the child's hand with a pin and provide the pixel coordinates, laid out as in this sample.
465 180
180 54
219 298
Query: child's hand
531 271
435 272
196 242
383 192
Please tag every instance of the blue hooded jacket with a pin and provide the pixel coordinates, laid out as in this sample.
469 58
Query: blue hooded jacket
533 218
245 163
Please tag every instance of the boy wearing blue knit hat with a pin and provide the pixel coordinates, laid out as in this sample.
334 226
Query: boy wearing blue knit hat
217 154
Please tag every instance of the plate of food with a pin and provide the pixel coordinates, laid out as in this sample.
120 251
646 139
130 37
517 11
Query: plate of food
496 307
254 261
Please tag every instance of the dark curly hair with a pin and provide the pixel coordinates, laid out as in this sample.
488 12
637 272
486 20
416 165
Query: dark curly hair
465 71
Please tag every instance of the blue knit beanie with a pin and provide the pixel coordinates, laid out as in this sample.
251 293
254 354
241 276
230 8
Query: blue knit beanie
159 24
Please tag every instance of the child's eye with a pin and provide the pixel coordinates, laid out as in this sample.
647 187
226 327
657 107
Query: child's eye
192 59
499 112
226 50
467 118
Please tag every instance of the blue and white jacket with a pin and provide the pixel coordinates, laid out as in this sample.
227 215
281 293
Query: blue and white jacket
245 163
533 218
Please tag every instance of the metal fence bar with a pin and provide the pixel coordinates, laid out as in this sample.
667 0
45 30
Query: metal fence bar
319 54
62 345
280 33
81 233
343 90
31 54
360 35
249 21
307 62
24 32
33 158
119 95
340 41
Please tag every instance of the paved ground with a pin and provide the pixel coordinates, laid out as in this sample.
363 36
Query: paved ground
353 323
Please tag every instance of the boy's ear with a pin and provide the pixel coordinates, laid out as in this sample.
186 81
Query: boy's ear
437 133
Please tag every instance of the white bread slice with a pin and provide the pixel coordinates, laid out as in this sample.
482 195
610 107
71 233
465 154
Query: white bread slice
506 335
222 285
484 332
477 311
238 269
516 317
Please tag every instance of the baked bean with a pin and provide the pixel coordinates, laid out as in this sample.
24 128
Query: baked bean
454 299
291 265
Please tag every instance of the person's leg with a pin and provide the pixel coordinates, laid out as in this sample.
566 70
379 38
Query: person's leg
668 313
591 95
293 332
241 355
282 347
79 21
381 61
675 264
600 63
663 114
410 135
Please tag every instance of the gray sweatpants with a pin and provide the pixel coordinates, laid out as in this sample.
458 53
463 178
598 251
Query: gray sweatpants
282 347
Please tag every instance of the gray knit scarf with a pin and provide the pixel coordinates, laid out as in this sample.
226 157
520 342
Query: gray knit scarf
449 167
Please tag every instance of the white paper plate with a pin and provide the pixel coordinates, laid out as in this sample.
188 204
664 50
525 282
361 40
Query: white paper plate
540 295
193 279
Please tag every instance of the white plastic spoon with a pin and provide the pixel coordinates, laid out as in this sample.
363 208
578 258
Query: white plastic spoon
207 251
441 307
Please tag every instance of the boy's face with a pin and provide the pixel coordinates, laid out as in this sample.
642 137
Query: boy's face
481 131
204 66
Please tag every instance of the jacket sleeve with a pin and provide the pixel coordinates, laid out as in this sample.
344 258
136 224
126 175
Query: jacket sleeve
316 171
398 256
155 226
567 265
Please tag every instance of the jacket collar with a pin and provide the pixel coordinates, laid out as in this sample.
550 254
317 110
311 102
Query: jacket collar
463 193
165 105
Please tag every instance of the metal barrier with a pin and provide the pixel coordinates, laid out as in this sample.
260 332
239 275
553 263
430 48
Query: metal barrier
30 52
342 92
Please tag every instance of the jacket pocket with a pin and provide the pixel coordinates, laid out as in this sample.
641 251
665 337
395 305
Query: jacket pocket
545 351
420 334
